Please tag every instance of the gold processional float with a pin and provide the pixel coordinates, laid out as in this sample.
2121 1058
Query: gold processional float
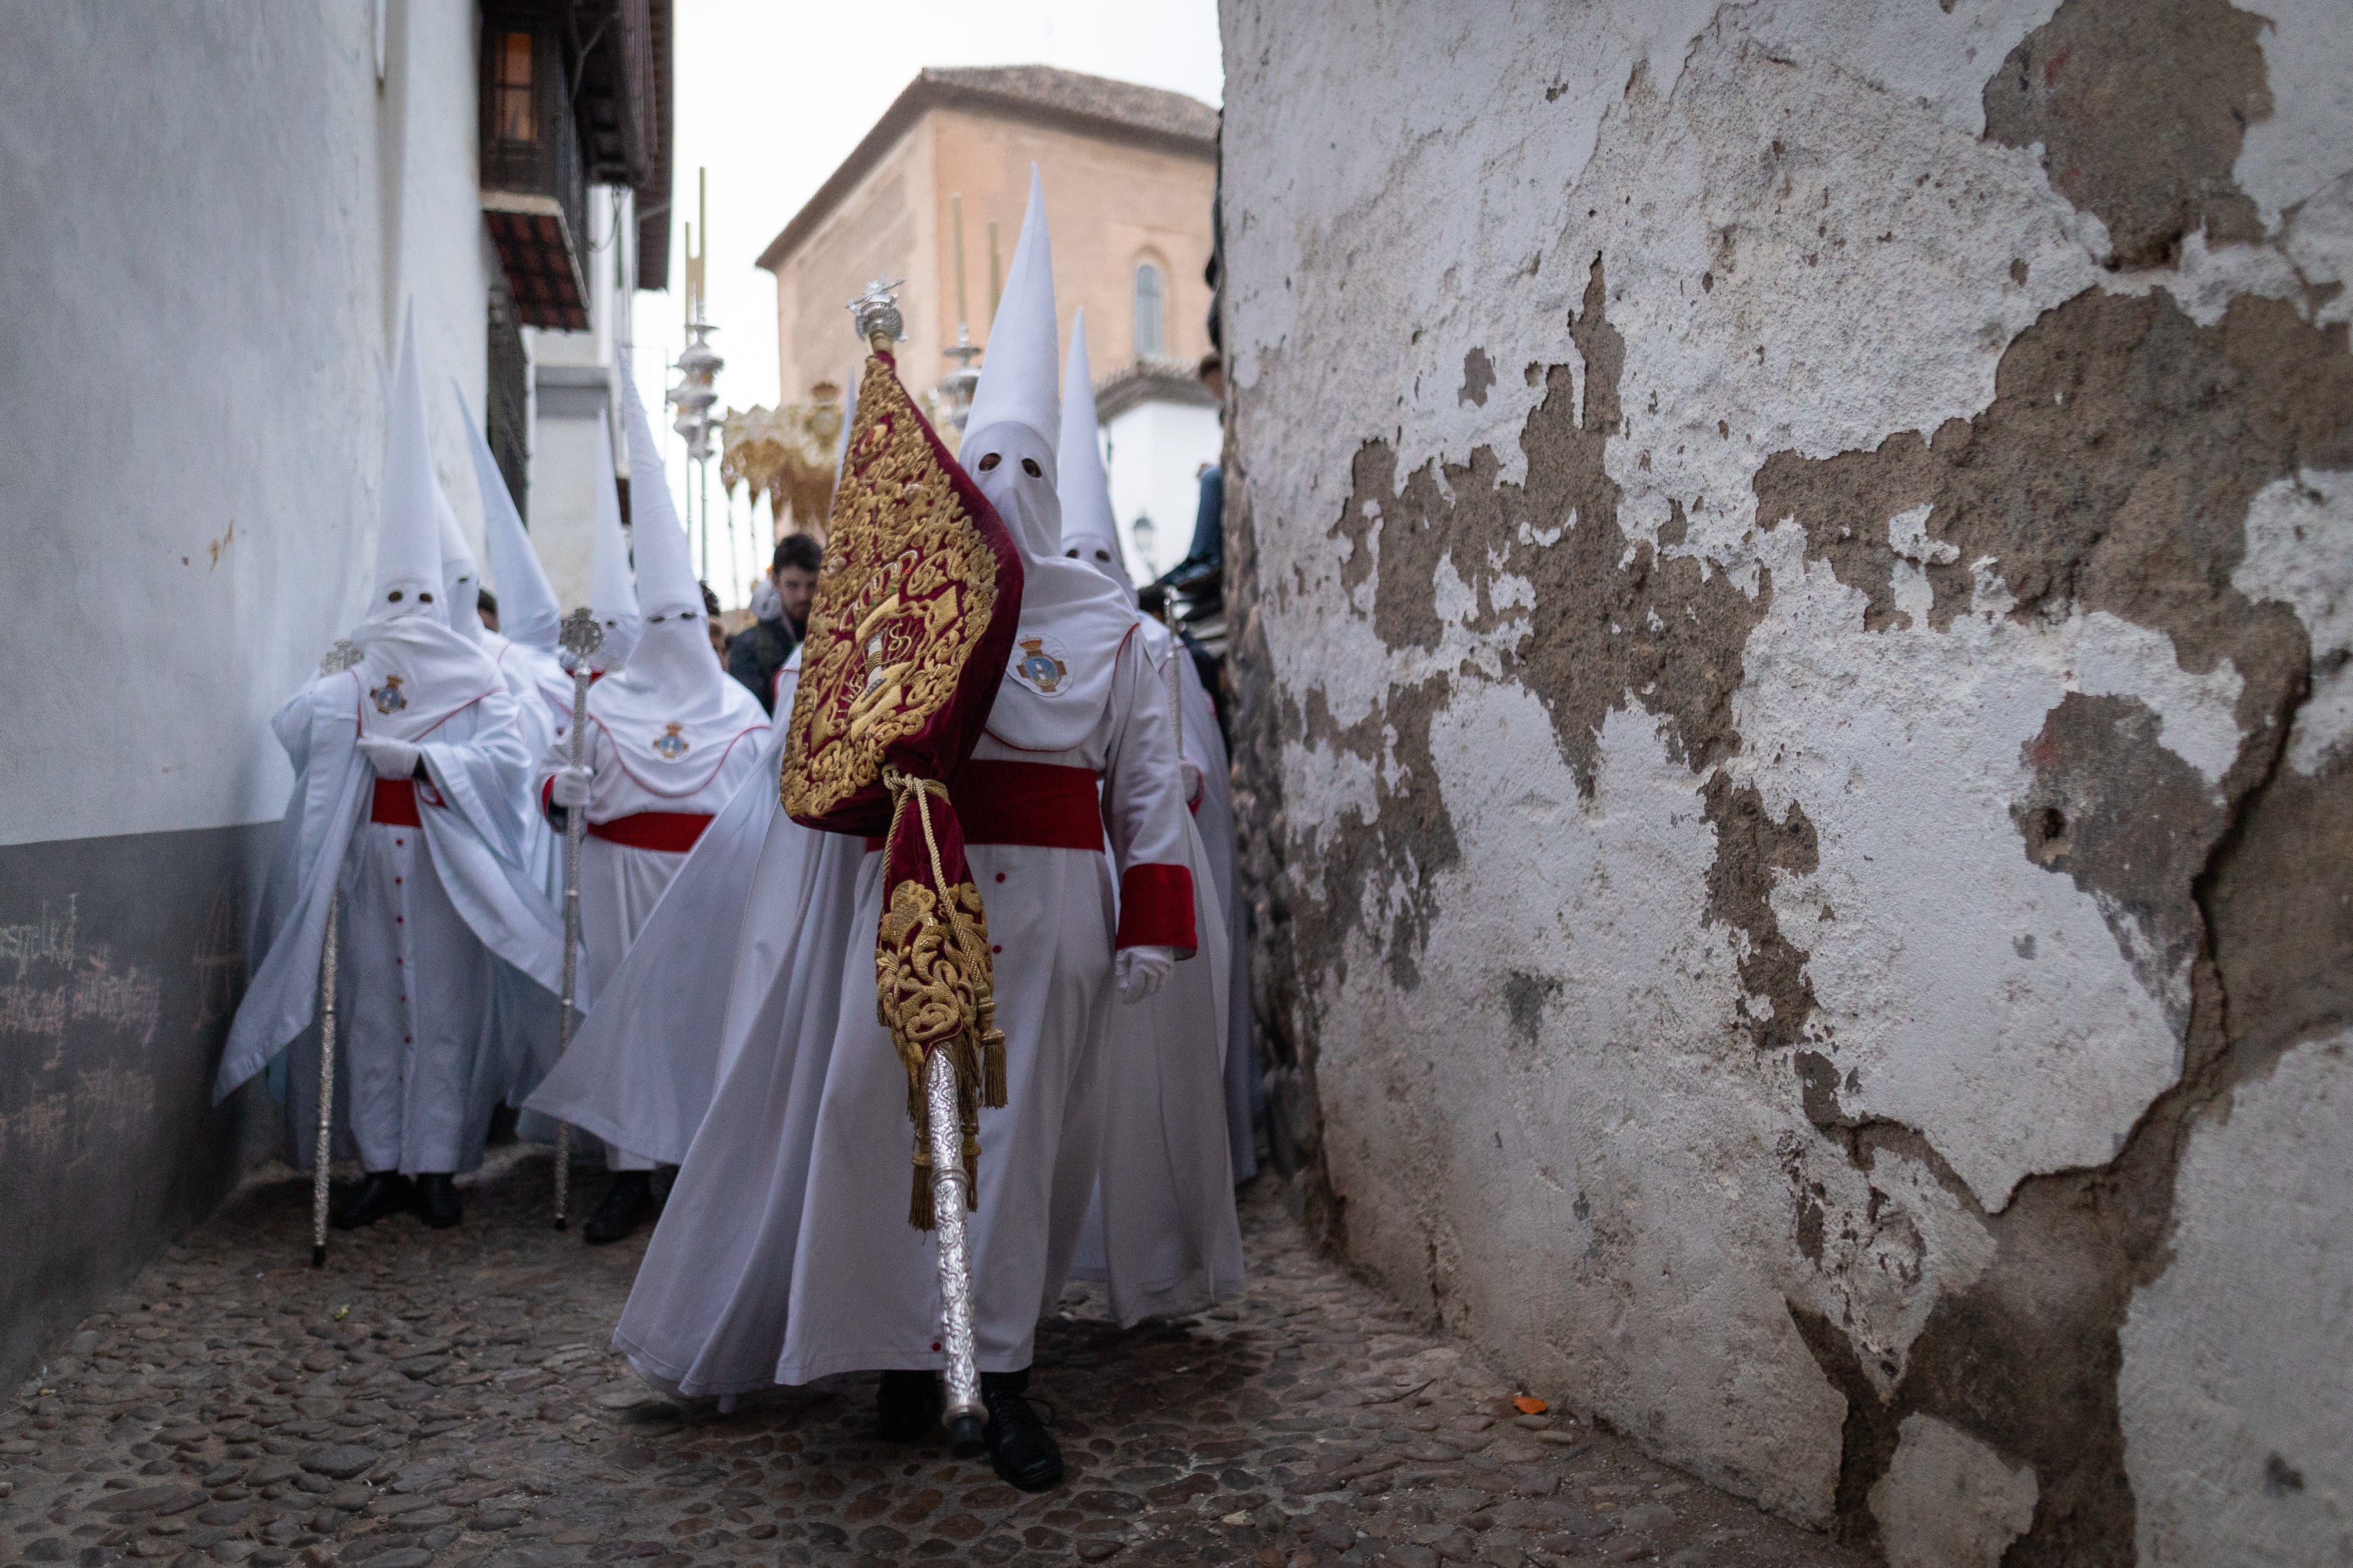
915 611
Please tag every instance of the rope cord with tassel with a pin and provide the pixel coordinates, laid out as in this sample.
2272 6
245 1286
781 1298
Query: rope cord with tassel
975 1045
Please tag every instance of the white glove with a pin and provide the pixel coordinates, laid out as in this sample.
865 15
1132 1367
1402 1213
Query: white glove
390 759
1192 782
569 787
1142 971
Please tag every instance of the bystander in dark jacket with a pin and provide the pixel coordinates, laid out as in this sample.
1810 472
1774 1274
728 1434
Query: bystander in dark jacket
780 608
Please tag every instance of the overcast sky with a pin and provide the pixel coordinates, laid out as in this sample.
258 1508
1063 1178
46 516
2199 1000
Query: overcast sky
770 98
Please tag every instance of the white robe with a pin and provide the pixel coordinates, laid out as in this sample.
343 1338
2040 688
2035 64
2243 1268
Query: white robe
422 1065
1161 1231
620 885
785 1254
672 985
1205 747
543 695
526 1018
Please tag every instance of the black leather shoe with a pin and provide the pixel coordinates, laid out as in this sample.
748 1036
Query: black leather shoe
437 1200
1023 1452
382 1192
628 1204
504 1118
907 1406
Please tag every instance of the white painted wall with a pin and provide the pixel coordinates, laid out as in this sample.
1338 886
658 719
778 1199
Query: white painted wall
1153 453
1613 1189
564 451
215 214
563 459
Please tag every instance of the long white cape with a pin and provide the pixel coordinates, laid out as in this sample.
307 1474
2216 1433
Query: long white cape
1205 746
473 838
1161 1232
645 1063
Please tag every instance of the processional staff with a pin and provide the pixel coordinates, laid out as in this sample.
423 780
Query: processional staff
340 657
581 637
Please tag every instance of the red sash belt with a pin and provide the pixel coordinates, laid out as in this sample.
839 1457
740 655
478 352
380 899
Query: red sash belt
1043 805
396 804
670 831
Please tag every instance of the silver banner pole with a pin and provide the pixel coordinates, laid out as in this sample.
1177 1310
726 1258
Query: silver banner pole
581 637
966 1415
323 1152
340 657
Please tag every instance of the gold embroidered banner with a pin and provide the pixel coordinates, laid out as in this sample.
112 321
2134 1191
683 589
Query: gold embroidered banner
916 607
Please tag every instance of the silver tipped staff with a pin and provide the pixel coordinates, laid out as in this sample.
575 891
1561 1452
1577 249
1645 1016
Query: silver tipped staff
1175 678
965 1415
340 657
581 637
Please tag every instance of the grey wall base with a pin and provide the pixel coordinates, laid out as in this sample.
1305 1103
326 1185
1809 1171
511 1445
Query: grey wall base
121 959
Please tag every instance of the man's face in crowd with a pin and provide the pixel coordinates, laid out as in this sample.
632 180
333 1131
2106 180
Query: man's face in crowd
796 586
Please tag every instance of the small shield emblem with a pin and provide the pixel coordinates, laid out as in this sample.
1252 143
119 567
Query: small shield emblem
1039 668
388 697
672 745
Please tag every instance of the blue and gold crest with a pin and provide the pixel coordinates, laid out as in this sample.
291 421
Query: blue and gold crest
1040 668
672 745
388 697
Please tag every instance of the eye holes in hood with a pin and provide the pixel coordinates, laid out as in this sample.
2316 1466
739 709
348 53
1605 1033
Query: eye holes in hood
1029 465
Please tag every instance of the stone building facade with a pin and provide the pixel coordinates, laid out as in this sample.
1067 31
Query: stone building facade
1792 585
934 193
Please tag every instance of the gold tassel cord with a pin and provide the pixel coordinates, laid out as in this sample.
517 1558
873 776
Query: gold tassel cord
928 1006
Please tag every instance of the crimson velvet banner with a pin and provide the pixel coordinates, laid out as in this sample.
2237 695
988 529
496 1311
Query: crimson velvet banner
914 622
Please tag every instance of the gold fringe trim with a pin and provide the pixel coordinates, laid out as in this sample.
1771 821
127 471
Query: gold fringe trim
919 1201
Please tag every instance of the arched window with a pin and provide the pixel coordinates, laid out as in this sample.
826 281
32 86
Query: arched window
1151 313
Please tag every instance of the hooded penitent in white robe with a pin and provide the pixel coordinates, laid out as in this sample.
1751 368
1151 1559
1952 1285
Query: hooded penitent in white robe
1161 1233
646 1062
670 740
432 892
526 1018
670 989
1089 535
784 1252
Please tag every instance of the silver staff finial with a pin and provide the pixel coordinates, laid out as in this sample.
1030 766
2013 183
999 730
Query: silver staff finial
581 635
875 314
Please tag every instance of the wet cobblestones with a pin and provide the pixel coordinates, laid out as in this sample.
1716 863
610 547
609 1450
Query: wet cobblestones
451 1398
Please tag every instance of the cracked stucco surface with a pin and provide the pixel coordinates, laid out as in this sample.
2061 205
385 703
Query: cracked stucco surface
1794 636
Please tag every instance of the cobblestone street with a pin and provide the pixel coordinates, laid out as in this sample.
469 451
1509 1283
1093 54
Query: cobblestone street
451 1398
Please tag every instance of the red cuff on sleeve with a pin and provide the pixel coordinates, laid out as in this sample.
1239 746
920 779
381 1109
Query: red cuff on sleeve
1155 907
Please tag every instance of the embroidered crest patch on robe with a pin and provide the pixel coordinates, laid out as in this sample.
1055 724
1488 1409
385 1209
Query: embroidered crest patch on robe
1039 665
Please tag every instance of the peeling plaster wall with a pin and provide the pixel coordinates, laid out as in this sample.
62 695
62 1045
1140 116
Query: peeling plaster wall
1792 587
